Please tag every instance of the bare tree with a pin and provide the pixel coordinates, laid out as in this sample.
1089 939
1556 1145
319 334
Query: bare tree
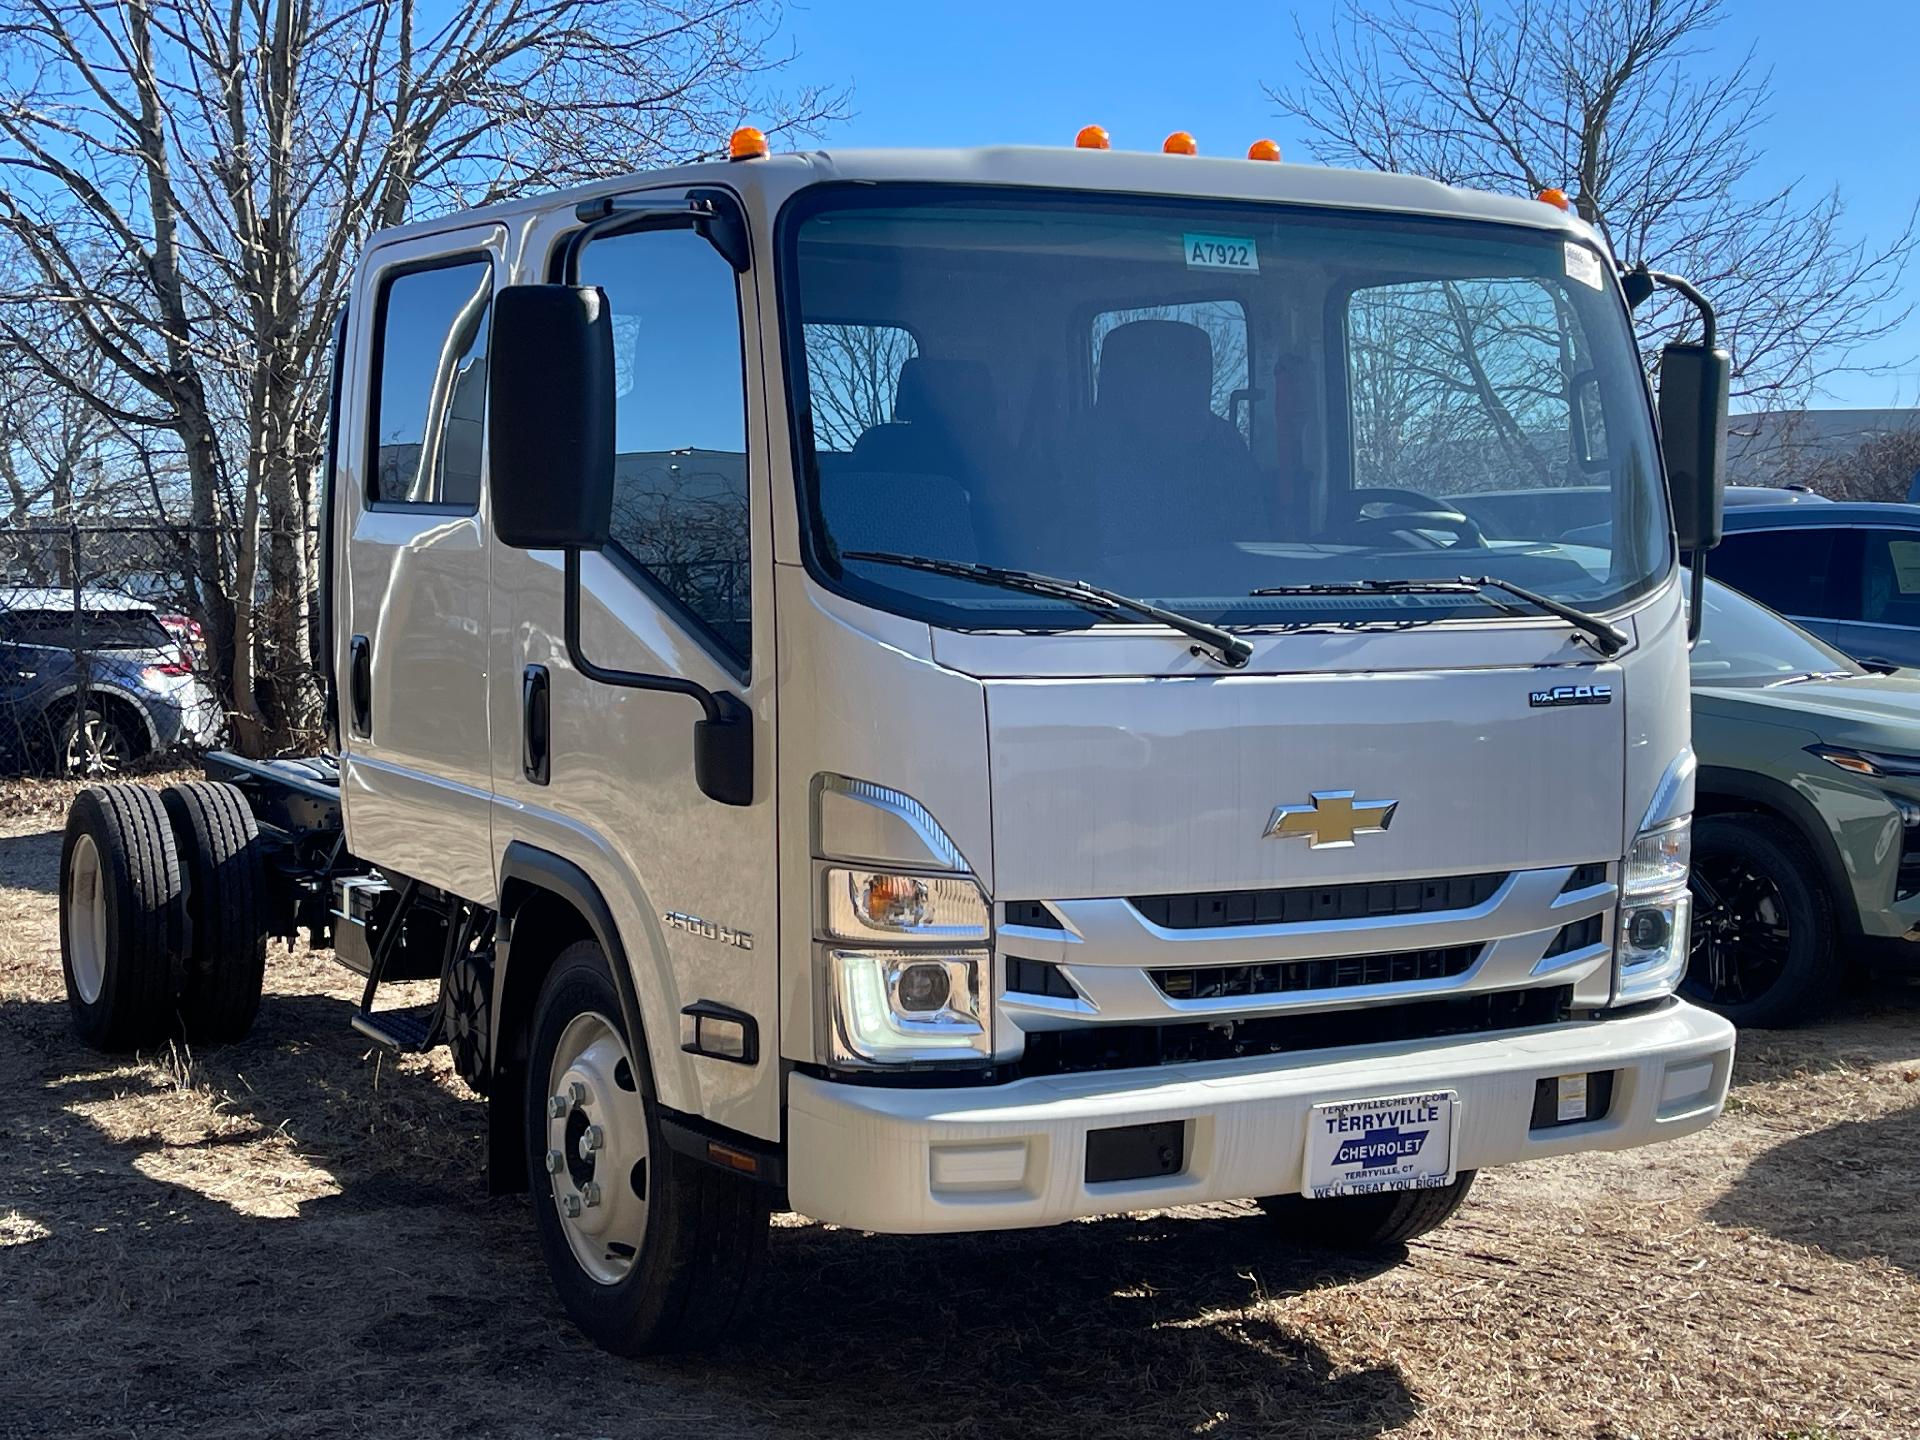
852 373
187 183
1608 100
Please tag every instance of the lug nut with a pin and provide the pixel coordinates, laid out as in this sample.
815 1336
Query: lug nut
594 1139
590 1192
557 1107
556 1162
570 1206
577 1093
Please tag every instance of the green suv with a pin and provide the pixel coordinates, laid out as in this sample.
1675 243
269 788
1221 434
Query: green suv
1806 833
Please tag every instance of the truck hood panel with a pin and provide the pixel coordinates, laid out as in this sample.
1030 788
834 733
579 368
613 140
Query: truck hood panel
1148 786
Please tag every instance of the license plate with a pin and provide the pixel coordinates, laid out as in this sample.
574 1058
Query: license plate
1360 1147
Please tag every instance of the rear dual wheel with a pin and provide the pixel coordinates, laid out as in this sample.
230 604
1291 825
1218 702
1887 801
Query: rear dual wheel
162 931
650 1250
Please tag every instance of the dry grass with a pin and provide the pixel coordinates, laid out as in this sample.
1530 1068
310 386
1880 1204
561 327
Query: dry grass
291 1237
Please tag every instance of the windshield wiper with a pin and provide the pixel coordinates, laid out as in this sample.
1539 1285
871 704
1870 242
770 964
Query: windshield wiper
1217 644
1609 640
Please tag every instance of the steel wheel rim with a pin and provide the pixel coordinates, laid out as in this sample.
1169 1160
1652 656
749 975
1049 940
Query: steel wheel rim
596 1150
1742 932
86 919
93 746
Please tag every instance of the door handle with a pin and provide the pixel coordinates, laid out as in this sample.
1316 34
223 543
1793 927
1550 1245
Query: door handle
536 724
360 683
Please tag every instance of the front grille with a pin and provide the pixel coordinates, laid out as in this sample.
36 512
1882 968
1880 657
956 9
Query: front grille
1280 977
1584 876
1574 935
1032 914
1036 977
1121 1047
1362 901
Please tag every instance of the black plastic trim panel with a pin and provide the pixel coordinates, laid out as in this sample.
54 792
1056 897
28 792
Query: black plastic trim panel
1224 908
1213 982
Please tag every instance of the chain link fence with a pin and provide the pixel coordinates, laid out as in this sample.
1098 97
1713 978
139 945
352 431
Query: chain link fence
110 644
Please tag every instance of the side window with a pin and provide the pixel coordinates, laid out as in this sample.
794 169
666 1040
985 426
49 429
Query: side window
1889 577
1789 570
680 435
853 378
1224 322
430 374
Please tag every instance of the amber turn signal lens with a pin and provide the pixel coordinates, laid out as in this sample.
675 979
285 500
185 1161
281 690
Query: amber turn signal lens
1264 150
1555 197
1180 143
891 900
1092 137
747 144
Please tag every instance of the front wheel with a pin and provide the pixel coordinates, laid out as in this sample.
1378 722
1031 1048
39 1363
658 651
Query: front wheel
1762 950
650 1250
1366 1222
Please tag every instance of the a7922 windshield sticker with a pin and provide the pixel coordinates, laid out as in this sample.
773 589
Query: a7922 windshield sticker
1221 252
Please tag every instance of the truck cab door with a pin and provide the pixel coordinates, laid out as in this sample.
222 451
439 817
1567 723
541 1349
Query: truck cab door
410 634
603 775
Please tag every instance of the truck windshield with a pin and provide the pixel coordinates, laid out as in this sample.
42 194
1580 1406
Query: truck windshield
1190 401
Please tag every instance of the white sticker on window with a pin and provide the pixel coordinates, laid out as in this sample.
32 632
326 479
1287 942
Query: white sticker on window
1583 265
1221 252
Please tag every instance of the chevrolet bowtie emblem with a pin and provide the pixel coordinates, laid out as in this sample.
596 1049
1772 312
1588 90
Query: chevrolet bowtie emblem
1332 819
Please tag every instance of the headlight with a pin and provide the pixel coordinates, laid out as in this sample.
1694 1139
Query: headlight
916 985
1655 910
879 904
1874 763
1659 859
907 1006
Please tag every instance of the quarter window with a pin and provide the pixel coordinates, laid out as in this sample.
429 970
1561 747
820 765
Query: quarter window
1789 570
1223 322
431 385
853 377
680 507
1463 386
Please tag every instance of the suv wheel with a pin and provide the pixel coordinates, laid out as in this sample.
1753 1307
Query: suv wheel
1763 949
94 745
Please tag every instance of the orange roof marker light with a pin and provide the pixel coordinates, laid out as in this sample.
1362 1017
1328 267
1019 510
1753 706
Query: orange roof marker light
1092 137
1555 197
1180 143
1264 150
747 144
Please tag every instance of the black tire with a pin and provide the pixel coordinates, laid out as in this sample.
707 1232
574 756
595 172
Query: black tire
1762 947
705 1234
1366 1222
118 945
225 954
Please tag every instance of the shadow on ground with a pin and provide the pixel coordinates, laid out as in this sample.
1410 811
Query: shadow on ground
31 862
362 1282
1846 1190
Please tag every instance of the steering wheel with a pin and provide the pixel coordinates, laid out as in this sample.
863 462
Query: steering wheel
1415 512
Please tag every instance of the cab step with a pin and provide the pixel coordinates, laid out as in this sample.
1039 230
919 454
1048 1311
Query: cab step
405 1032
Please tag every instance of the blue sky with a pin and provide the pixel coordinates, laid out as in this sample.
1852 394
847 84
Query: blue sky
1846 106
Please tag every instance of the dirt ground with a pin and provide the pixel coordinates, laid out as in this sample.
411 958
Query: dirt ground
291 1237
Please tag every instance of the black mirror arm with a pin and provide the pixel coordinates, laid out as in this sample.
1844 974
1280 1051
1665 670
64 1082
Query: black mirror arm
1696 608
713 214
722 739
721 709
1640 282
